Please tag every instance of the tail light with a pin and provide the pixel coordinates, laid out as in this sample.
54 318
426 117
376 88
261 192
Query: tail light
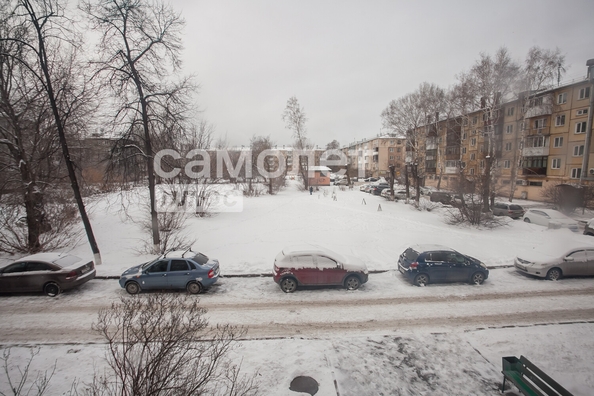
413 265
211 273
71 275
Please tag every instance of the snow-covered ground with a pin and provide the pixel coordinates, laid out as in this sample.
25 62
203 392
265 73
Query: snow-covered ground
440 359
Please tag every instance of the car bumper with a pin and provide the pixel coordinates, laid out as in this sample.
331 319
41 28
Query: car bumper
407 272
530 269
79 281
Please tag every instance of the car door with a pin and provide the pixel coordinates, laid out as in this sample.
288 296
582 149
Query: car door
577 263
38 274
331 272
541 218
460 267
305 269
155 276
436 266
179 274
589 266
13 278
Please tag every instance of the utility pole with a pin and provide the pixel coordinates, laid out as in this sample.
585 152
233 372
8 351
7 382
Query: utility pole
586 158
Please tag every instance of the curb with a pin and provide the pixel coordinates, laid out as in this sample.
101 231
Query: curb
269 275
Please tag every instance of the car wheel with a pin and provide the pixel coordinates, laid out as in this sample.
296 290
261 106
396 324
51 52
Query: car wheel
421 280
526 220
554 274
478 278
52 289
194 288
352 283
288 285
132 288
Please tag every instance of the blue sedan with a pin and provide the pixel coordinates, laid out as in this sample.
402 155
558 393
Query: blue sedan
175 270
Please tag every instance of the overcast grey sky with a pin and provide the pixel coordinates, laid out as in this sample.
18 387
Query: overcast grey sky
346 60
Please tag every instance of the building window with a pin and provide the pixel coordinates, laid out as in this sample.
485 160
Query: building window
463 150
391 142
558 142
464 136
562 98
540 123
398 149
473 142
580 127
581 112
391 149
482 164
472 156
391 158
507 164
576 173
399 142
578 151
560 120
509 128
556 164
474 120
508 146
510 111
535 183
584 93
472 171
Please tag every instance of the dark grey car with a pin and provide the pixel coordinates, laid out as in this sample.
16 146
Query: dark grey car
508 209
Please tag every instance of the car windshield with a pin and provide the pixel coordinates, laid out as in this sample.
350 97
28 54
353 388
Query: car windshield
515 207
148 263
411 254
200 259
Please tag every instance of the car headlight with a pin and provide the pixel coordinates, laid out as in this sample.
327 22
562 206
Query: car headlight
483 265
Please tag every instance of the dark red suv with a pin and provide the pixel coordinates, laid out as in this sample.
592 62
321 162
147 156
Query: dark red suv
310 265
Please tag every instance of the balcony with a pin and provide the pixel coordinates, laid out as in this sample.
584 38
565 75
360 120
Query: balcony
544 131
535 151
540 106
534 171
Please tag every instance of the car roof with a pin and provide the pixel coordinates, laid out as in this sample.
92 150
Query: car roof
307 249
49 257
180 254
430 247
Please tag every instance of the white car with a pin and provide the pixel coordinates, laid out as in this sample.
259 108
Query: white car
550 218
554 262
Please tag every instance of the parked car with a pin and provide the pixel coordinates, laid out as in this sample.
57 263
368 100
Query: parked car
363 187
550 218
341 182
377 189
441 196
589 229
554 262
508 209
386 193
371 179
50 273
311 265
401 194
424 264
175 270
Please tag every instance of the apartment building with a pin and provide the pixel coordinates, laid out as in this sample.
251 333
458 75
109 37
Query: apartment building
528 144
373 157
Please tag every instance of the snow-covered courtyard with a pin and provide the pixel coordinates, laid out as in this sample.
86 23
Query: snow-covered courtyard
387 338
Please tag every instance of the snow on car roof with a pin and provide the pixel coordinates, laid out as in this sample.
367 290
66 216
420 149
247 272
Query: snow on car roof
428 247
310 249
47 257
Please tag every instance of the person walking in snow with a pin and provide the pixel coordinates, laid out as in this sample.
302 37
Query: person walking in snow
310 190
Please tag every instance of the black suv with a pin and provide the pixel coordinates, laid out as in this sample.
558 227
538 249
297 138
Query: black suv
441 196
424 264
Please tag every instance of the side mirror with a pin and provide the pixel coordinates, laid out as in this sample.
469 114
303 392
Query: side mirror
568 258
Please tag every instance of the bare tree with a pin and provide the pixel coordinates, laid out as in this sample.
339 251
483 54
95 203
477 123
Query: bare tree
47 47
542 68
162 345
139 48
23 384
295 119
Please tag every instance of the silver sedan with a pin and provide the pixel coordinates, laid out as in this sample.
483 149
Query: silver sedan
553 263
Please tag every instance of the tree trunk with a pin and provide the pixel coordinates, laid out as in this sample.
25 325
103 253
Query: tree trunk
62 134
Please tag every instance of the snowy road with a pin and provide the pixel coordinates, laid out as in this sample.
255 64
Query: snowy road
386 304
